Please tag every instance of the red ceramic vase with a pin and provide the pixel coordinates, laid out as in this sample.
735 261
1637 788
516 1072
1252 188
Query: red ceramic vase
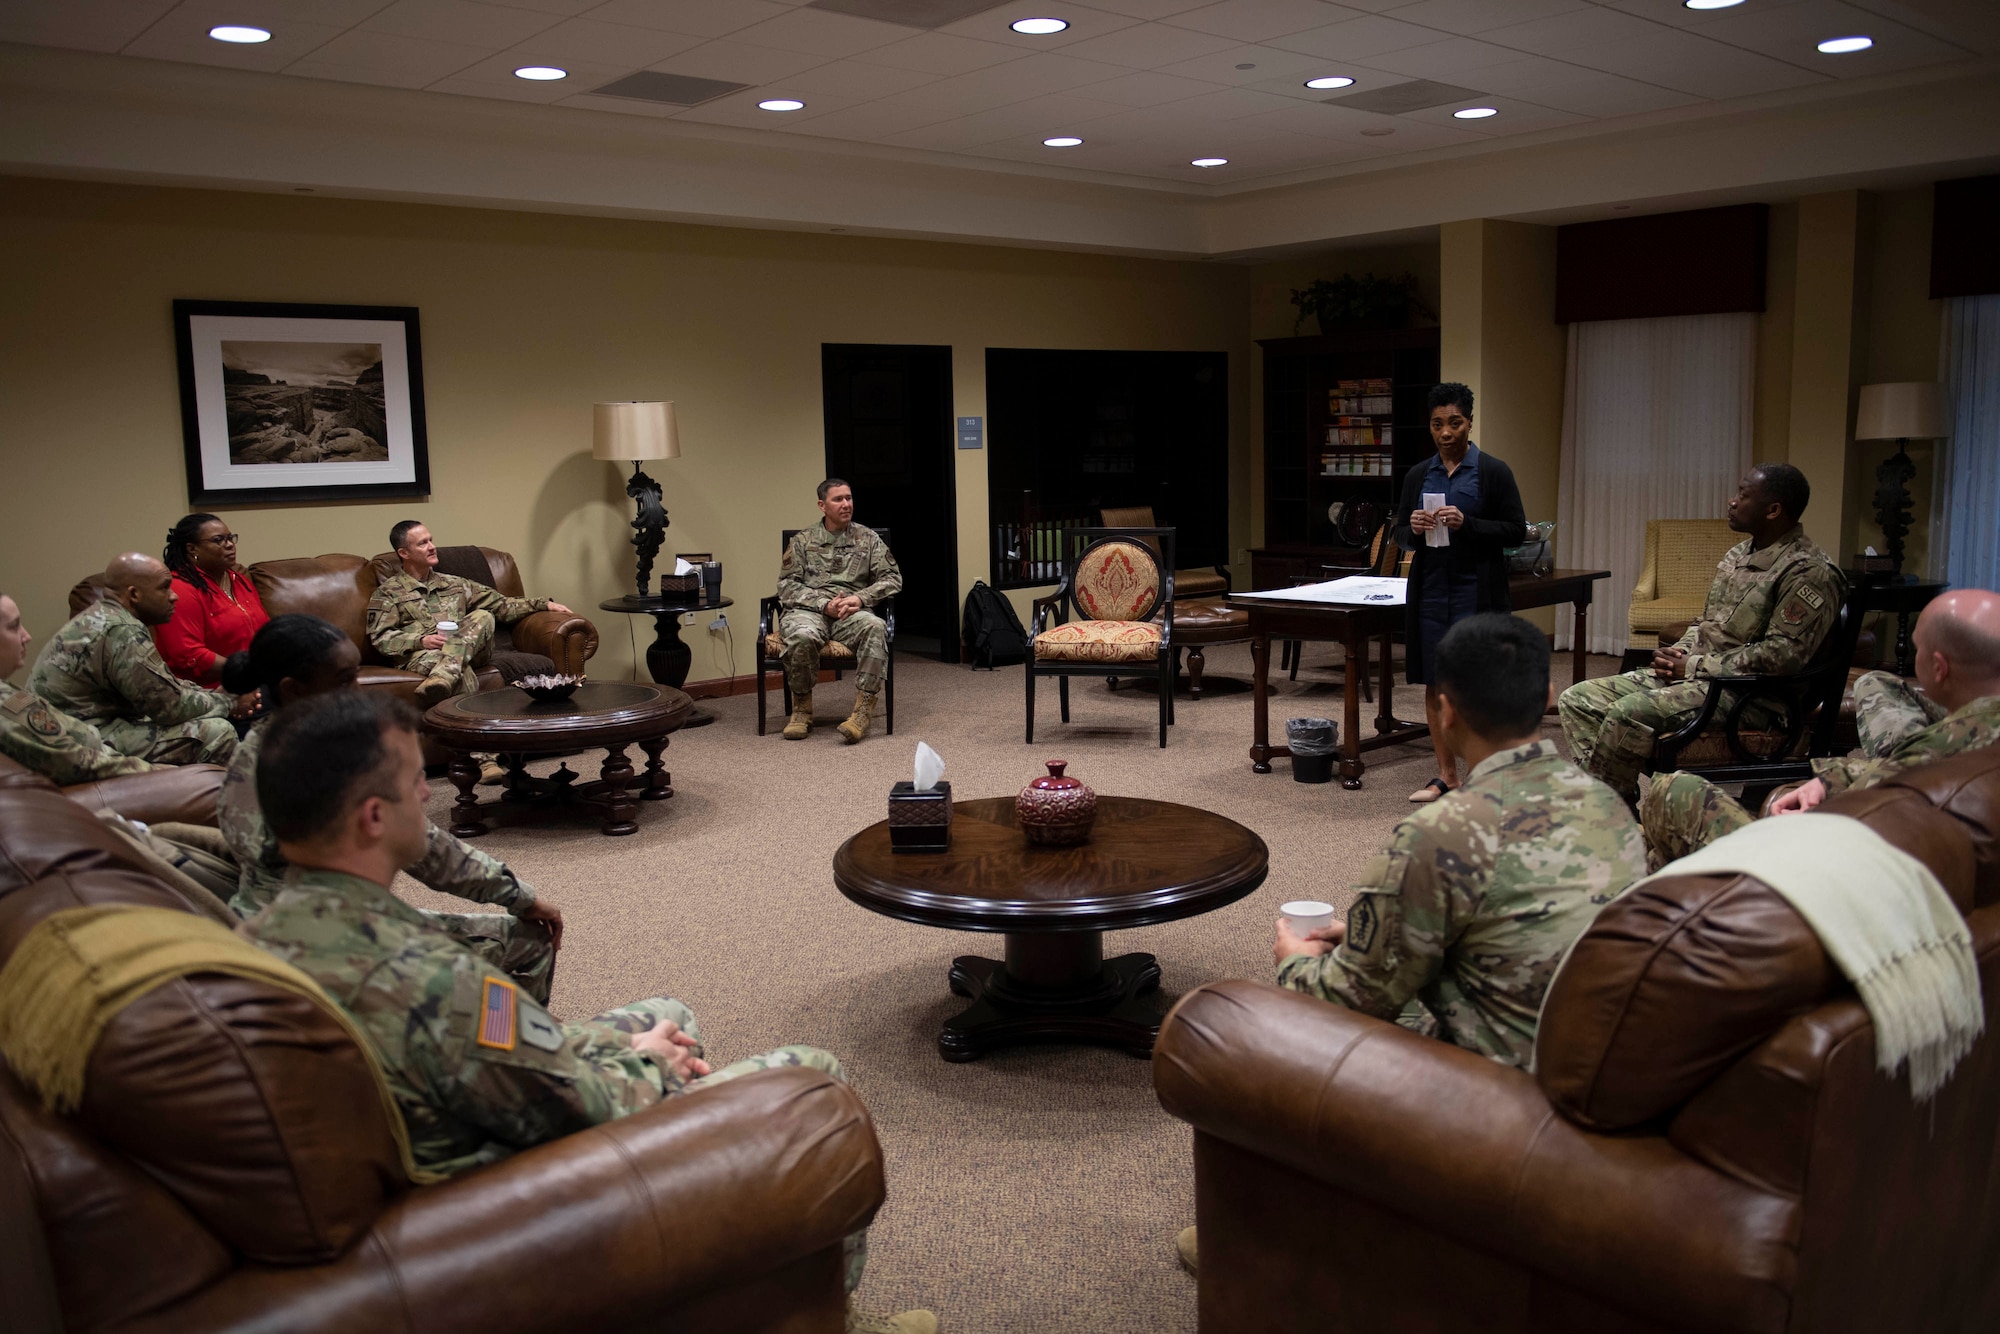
1056 811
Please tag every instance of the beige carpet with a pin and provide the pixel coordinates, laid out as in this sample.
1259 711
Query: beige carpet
1037 1189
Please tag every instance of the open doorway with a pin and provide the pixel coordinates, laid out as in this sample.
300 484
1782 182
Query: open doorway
889 432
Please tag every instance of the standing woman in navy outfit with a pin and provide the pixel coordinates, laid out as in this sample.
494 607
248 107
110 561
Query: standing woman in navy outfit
1482 516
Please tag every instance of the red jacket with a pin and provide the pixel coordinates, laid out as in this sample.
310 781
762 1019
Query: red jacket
207 622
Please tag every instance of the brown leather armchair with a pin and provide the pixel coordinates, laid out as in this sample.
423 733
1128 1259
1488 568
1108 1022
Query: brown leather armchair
1705 1144
180 792
231 1168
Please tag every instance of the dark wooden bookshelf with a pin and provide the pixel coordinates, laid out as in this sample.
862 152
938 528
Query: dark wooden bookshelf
1301 376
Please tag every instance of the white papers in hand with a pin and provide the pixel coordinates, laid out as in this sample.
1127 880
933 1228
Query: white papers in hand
1439 536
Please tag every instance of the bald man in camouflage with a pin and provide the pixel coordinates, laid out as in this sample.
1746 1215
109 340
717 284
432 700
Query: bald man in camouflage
833 573
38 735
1954 707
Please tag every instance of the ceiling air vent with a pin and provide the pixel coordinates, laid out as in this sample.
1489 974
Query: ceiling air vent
680 90
908 13
1400 98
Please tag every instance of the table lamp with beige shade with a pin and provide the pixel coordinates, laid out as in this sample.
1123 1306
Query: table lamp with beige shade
1904 411
639 432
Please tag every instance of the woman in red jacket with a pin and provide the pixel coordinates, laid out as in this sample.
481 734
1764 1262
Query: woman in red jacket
216 609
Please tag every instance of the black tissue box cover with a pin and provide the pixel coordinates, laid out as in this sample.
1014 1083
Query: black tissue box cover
919 821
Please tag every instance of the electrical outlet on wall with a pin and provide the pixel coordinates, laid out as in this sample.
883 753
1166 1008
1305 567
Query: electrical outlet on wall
720 623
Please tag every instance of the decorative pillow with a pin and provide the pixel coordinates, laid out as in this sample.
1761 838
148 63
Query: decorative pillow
1117 580
1099 641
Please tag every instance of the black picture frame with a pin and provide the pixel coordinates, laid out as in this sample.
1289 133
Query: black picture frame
289 346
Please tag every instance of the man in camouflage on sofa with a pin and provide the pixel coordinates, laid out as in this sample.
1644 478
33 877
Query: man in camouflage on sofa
1954 707
38 735
833 573
406 609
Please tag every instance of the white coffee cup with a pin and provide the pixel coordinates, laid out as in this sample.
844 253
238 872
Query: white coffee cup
1307 915
449 629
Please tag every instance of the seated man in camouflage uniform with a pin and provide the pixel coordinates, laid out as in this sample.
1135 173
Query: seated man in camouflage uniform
1773 599
478 1069
832 574
40 736
1958 709
297 657
103 668
404 611
1463 918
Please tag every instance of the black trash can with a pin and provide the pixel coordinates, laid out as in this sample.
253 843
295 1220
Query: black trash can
1314 743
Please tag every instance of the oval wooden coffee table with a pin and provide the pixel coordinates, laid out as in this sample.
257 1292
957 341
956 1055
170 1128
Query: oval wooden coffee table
509 722
1146 862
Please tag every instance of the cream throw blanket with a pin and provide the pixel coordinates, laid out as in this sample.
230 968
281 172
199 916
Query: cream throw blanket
1884 920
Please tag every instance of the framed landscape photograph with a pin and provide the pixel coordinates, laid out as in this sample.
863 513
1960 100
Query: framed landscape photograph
300 403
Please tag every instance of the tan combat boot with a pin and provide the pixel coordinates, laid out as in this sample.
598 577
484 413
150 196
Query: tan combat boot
903 1322
1184 1246
857 722
801 721
438 686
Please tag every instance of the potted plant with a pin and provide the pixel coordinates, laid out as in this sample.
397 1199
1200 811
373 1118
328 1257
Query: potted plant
1367 302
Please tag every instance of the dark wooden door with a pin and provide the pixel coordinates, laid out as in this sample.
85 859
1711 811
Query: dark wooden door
889 433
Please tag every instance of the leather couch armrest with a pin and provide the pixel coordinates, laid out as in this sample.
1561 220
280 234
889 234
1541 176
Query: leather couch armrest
1473 1149
182 792
566 640
612 1228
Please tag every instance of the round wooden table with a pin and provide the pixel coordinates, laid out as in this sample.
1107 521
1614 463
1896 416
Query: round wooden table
1146 862
516 726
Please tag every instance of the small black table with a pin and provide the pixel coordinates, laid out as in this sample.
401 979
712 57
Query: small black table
668 659
1903 596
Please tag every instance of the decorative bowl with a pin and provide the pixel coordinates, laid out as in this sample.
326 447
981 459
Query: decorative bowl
1056 811
549 688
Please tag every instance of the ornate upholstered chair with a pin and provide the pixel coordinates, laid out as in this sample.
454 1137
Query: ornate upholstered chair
1206 582
1681 556
837 657
1113 614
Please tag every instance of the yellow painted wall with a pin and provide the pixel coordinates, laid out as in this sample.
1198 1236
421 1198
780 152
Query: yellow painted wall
1771 429
1900 342
527 319
1829 314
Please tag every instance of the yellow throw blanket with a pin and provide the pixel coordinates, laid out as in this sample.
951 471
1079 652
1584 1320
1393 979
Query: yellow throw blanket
79 968
1884 920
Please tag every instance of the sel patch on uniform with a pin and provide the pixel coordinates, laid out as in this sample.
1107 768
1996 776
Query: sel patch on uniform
496 1015
1363 922
538 1030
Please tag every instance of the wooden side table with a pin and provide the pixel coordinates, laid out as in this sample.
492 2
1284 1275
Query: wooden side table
668 658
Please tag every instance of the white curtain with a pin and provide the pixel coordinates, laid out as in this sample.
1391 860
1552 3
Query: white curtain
1657 420
1965 495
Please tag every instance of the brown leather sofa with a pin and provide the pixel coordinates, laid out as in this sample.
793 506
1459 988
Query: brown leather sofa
180 792
1704 1146
231 1169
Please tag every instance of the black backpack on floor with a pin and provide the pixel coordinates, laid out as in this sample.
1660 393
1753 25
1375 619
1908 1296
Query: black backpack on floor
992 632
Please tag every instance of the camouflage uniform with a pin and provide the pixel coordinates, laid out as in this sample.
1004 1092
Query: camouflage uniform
35 733
404 609
1899 726
1767 613
522 950
103 668
1477 898
820 566
478 1070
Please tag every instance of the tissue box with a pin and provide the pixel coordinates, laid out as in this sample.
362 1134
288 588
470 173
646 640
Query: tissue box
919 821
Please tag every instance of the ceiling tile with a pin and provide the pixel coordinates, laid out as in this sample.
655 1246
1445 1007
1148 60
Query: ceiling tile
741 109
1442 60
1261 20
1523 75
405 62
1592 28
1685 62
1149 88
941 53
465 22
81 25
497 72
1266 63
1793 33
867 122
624 106
582 41
1229 103
1030 122
737 61
817 32
1148 9
275 14
1468 17
854 80
560 8
699 18
183 35
1515 118
1149 46
1605 95
1084 23
1357 39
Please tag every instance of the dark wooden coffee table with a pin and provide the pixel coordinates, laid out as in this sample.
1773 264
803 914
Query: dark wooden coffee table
1146 862
507 721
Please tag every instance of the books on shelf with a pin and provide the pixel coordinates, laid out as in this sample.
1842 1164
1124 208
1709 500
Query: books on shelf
1356 464
1377 405
1360 431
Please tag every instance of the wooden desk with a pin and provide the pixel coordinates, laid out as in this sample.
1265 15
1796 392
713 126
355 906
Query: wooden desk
1352 627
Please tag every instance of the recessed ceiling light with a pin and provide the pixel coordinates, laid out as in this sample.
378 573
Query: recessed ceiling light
1475 113
1211 162
541 73
1330 81
1377 134
781 104
1038 27
1840 46
1062 141
1248 64
1711 4
242 36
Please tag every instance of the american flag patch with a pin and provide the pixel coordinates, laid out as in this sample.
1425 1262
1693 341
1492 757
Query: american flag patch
496 1015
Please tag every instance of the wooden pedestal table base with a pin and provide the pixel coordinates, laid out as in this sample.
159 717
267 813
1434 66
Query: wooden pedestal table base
612 715
1146 862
